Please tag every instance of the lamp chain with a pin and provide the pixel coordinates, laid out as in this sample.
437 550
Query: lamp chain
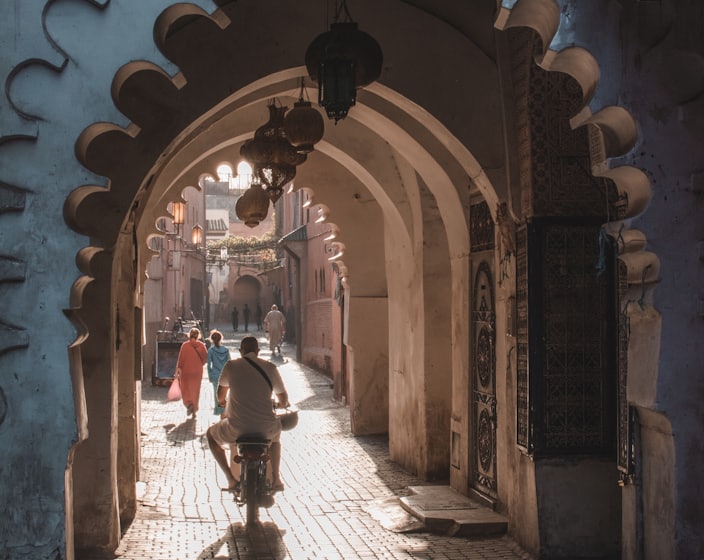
342 6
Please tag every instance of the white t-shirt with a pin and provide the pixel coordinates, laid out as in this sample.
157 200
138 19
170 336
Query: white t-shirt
249 408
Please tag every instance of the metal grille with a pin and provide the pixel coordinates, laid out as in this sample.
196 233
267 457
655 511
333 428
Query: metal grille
575 382
481 224
522 393
566 372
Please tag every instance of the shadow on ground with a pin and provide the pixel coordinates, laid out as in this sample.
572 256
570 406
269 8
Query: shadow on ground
262 540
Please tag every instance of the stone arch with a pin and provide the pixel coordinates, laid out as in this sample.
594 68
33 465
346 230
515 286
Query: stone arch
245 288
123 207
169 119
441 163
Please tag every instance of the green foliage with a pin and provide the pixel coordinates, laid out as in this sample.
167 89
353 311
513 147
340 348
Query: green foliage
265 246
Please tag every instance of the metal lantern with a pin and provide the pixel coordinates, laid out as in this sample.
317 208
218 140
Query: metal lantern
179 212
253 205
272 156
304 126
342 60
197 235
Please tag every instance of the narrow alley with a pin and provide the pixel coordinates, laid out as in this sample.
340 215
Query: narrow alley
335 484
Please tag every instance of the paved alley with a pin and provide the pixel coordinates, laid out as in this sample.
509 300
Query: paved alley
333 481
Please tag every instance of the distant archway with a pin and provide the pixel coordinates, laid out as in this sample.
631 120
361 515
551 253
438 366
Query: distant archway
246 296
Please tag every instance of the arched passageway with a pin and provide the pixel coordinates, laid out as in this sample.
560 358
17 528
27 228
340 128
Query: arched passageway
400 179
398 197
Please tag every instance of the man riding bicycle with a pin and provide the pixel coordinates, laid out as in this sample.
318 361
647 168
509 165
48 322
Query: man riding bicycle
250 381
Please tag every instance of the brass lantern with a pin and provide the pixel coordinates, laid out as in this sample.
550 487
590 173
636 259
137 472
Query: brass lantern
342 60
272 156
179 211
253 205
197 235
303 125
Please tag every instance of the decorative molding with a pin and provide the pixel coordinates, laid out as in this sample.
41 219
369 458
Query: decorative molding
12 269
12 199
12 338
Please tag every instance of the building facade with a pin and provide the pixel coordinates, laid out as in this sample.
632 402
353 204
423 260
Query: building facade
516 208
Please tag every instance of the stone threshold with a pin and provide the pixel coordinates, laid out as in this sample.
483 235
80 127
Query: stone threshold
443 510
437 509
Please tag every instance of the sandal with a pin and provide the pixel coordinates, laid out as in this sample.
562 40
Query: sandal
234 489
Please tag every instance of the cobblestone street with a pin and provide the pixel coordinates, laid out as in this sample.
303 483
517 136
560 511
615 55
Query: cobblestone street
332 480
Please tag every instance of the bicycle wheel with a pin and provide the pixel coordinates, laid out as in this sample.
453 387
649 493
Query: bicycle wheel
251 496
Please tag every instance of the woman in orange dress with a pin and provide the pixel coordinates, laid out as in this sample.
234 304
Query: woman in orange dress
189 369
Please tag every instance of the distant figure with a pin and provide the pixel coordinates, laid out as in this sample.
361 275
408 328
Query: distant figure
245 313
235 319
259 317
178 325
275 325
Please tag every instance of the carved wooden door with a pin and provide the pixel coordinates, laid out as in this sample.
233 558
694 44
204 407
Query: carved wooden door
483 355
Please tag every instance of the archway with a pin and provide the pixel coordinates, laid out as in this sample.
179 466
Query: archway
410 182
412 164
246 296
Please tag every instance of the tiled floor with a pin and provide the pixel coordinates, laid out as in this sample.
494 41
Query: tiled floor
330 476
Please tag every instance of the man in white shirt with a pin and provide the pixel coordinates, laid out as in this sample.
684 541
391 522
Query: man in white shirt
248 408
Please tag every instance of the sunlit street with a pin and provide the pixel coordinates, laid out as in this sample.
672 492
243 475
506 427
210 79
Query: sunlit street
333 480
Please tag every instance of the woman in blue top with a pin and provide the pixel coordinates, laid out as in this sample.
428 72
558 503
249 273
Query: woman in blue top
218 356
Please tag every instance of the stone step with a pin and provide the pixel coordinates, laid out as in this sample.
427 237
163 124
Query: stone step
443 510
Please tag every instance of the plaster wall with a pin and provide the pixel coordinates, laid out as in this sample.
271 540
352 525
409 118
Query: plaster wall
38 157
651 56
320 338
658 456
128 370
437 336
369 380
579 508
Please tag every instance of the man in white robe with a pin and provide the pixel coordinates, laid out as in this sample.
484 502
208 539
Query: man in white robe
275 325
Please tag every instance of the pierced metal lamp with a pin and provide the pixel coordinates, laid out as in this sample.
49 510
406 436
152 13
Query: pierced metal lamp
342 60
197 235
273 157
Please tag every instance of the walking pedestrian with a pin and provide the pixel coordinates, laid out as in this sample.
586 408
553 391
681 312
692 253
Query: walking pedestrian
275 325
189 369
218 356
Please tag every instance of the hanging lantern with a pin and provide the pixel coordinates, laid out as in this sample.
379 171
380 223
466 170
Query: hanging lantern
271 155
253 205
197 235
303 125
179 212
342 60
